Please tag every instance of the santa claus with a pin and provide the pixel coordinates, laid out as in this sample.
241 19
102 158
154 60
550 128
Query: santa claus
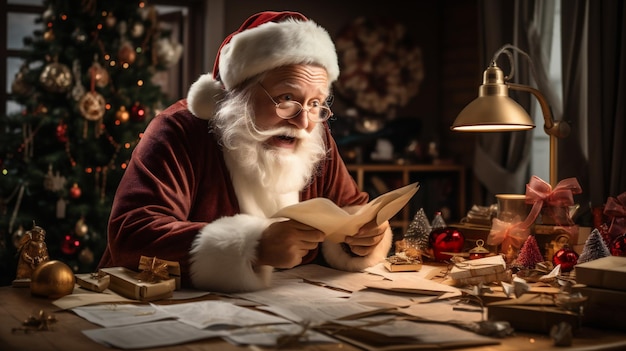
250 139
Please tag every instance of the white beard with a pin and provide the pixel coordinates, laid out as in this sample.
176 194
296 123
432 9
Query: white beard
268 178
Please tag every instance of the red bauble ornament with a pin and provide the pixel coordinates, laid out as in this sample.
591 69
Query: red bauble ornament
70 245
618 246
62 132
75 191
566 257
448 239
138 112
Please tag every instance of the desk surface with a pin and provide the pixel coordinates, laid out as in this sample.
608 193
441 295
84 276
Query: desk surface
17 304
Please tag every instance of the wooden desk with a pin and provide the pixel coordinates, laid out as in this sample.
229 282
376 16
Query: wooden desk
16 305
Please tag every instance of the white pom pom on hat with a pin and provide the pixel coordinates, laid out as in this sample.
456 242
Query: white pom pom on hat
265 41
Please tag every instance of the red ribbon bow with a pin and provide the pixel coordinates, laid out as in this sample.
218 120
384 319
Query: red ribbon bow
615 207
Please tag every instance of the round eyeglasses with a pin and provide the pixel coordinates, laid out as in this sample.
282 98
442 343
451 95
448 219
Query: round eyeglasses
290 109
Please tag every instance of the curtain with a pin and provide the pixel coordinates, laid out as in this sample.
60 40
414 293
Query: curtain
594 80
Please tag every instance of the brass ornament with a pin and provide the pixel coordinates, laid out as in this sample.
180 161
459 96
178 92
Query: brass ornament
53 279
92 106
56 78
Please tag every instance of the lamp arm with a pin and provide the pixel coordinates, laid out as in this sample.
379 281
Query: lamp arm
559 129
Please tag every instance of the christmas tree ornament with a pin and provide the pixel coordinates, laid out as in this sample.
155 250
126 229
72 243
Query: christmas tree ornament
126 54
56 78
168 51
81 229
566 257
53 279
594 248
99 74
69 245
78 90
138 112
438 221
20 86
75 191
137 30
479 251
86 256
61 132
122 115
48 35
110 20
447 239
48 15
92 106
618 247
79 36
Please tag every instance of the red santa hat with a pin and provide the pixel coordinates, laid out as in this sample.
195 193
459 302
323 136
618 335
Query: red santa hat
265 41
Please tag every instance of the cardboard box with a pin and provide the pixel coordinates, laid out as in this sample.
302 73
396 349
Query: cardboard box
124 282
606 272
532 313
604 308
403 267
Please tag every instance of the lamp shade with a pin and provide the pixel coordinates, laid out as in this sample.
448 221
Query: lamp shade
493 110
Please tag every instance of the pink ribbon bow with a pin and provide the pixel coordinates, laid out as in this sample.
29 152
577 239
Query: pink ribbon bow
538 193
615 207
508 234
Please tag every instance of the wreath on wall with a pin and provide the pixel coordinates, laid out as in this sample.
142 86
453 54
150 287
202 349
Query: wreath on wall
381 68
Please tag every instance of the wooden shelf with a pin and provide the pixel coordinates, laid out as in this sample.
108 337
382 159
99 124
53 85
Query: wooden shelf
400 175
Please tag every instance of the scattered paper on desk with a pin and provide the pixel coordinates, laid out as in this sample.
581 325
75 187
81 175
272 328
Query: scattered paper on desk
337 223
148 335
81 297
204 314
116 315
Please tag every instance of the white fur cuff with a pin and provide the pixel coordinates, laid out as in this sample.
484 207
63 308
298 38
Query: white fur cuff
223 252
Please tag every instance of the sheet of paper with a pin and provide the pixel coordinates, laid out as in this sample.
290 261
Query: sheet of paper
82 297
336 223
350 281
116 315
268 335
148 335
204 314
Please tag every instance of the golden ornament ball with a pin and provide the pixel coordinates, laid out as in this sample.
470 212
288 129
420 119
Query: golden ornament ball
56 78
52 279
81 229
126 54
122 115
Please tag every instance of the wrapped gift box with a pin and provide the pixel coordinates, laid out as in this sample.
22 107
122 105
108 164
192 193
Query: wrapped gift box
482 270
603 307
172 267
94 282
532 313
125 282
606 272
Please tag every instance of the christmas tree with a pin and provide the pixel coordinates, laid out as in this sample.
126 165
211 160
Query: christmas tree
418 232
594 248
529 254
86 93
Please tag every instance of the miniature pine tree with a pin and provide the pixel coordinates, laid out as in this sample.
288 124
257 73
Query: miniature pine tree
84 95
418 232
594 248
529 255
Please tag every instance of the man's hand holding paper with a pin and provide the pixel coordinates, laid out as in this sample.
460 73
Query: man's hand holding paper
337 223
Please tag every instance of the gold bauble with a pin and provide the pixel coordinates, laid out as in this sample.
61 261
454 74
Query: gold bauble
86 256
81 228
92 106
52 279
56 78
48 35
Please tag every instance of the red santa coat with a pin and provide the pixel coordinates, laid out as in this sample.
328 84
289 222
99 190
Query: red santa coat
176 201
